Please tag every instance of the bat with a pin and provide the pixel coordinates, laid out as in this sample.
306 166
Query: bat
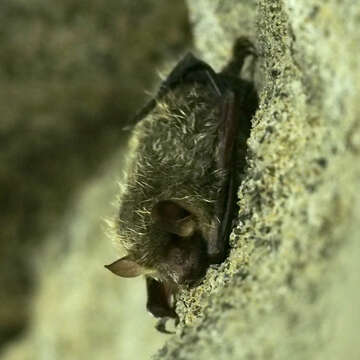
178 201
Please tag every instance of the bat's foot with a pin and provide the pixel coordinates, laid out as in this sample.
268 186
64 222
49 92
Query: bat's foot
241 50
161 325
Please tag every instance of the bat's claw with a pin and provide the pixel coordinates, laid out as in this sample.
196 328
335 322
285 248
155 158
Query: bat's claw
161 325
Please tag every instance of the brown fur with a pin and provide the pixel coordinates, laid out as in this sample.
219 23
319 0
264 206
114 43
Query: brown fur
172 157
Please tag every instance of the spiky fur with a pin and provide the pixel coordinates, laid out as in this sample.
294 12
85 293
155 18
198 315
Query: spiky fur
172 154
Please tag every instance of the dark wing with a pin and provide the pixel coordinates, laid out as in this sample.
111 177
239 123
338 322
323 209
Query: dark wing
188 69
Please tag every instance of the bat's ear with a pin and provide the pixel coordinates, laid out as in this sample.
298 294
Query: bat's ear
125 267
174 218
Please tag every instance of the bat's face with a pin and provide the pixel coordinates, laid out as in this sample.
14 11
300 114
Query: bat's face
183 258
182 262
181 255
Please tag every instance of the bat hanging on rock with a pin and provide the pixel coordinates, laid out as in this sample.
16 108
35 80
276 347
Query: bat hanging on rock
178 199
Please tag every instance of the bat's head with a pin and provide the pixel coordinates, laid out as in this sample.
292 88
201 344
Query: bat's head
178 253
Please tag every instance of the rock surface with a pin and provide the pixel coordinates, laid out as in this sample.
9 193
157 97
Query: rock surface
289 289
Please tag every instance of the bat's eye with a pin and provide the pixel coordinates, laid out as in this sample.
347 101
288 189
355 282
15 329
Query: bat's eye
174 218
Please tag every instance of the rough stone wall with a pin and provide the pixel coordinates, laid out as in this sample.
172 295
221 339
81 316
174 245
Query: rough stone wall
290 287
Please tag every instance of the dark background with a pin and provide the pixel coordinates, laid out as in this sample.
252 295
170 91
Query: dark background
72 73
